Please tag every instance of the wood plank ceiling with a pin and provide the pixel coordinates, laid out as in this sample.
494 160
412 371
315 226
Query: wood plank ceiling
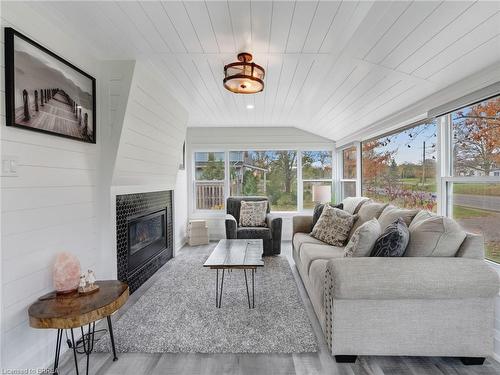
332 66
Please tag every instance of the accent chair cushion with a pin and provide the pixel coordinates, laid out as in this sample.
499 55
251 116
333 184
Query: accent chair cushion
254 233
318 210
393 241
363 239
333 226
392 213
253 214
433 235
368 211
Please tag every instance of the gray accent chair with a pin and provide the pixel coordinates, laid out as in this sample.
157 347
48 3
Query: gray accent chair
271 234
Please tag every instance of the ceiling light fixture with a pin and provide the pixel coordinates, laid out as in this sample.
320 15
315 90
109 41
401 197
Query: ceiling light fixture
250 106
244 77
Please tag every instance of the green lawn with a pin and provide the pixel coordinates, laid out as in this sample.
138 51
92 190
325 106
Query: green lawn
478 189
461 212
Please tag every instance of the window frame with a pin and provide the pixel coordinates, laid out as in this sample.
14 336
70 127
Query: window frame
340 167
400 130
227 178
300 195
447 178
194 180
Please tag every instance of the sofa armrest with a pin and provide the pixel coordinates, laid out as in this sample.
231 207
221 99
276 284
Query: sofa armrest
231 227
411 278
302 224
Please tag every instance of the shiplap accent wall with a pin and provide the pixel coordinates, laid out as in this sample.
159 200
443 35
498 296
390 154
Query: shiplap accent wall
153 132
251 138
49 207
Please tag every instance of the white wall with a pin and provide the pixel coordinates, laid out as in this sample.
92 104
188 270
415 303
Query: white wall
63 197
227 139
49 207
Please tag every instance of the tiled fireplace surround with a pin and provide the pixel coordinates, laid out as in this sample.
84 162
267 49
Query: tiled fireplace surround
129 205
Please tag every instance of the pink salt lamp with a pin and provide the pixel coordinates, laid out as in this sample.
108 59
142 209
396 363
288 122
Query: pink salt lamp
66 275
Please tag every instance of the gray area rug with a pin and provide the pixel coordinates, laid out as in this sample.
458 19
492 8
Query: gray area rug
178 314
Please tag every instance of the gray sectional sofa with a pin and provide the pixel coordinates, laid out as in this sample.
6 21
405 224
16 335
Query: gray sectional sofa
411 305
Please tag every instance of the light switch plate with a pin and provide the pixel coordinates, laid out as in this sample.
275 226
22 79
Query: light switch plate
9 166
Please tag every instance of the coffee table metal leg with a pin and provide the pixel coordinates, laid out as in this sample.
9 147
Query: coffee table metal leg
217 288
246 284
221 287
58 350
253 290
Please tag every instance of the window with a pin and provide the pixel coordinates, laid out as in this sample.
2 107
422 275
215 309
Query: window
316 178
476 206
349 172
209 171
268 173
401 167
473 187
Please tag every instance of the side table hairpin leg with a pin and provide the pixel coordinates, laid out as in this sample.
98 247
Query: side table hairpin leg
112 337
58 350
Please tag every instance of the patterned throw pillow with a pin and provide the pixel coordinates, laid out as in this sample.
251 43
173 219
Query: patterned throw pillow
318 210
393 242
253 213
333 226
363 239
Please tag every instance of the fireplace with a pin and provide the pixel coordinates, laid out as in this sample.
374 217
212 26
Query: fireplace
146 237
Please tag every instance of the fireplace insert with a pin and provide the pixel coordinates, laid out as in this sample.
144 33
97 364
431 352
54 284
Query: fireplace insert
147 237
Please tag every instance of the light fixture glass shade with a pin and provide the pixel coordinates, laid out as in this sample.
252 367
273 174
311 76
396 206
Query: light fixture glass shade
244 77
321 193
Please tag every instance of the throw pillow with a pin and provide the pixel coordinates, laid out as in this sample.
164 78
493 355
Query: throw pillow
391 213
353 204
363 239
368 211
253 213
393 242
318 210
333 226
433 235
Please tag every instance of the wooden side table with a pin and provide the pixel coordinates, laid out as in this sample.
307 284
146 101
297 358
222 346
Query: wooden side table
69 311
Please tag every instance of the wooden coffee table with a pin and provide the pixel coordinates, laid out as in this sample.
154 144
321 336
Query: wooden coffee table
235 254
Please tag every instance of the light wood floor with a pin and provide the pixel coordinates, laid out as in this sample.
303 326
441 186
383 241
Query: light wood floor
301 364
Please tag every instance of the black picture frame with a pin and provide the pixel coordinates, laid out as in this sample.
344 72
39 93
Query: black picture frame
67 103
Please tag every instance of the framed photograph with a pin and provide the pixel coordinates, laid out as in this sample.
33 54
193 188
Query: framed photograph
45 93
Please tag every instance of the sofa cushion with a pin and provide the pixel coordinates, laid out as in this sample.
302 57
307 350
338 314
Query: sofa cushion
393 241
333 226
392 213
318 210
301 238
433 235
368 211
253 214
254 232
353 204
363 239
472 247
310 252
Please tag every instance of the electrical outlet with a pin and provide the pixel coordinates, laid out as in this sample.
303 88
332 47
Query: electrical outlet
9 166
